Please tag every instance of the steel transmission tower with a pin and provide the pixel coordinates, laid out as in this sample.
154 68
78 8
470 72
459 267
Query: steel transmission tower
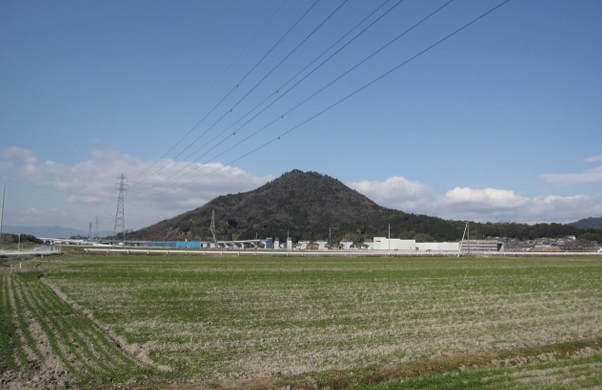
2 215
120 213
212 228
96 229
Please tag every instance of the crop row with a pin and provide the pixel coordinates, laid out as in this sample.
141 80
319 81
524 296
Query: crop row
575 373
240 316
45 339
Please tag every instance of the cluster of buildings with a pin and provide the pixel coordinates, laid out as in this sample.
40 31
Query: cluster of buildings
395 244
408 246
376 244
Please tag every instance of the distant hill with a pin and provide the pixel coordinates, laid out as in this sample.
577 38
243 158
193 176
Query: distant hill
302 205
588 223
44 231
312 206
14 240
49 231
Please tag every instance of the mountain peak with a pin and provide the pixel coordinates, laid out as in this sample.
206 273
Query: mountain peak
299 204
312 206
588 223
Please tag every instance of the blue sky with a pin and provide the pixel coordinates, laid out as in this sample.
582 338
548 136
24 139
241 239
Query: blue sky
195 99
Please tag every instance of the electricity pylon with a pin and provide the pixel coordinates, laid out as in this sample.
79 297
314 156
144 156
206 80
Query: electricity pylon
120 213
467 235
212 228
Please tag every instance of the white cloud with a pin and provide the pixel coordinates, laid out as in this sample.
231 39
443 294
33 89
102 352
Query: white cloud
34 211
396 192
590 176
593 159
483 198
156 190
482 205
9 156
179 185
73 195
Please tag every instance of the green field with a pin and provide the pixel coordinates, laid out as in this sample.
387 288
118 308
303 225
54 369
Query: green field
303 322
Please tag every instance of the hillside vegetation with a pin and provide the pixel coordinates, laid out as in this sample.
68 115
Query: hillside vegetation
588 223
312 206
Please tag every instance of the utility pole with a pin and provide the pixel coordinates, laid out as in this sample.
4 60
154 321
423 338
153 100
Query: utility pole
389 238
465 234
2 215
468 236
120 213
212 228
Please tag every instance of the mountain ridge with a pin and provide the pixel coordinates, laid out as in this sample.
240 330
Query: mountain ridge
588 223
49 231
313 206
294 202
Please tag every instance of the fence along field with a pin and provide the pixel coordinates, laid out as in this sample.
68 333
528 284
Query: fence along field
191 318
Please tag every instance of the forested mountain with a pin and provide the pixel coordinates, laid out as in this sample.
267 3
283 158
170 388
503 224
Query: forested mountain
312 206
588 223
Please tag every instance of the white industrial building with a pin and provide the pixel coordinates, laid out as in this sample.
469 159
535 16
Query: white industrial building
377 244
438 246
394 244
398 245
482 246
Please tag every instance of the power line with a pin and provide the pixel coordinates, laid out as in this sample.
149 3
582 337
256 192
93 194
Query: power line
245 47
392 70
291 52
235 87
363 87
373 81
281 95
334 80
286 57
259 82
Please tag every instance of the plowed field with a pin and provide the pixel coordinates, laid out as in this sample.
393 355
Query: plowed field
46 344
116 321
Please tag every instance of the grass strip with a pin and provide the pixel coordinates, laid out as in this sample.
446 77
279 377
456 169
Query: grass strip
215 319
118 361
413 373
39 315
66 330
23 326
100 342
11 341
7 362
69 324
88 342
577 373
17 343
70 336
